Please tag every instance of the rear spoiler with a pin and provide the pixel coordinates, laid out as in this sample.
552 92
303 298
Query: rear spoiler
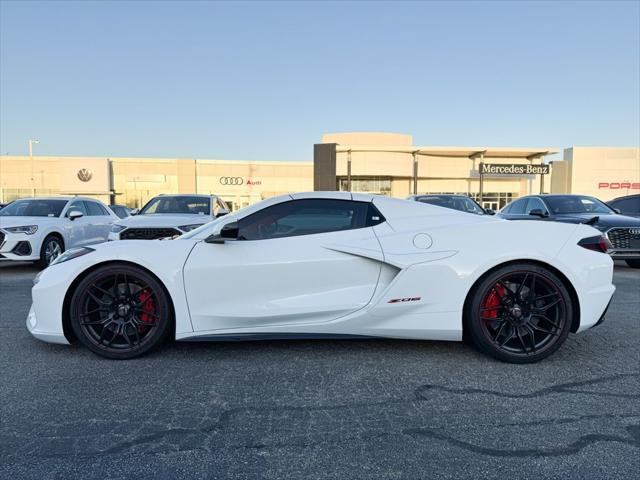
591 221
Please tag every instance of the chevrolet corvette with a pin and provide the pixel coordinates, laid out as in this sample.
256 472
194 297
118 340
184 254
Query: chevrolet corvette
333 265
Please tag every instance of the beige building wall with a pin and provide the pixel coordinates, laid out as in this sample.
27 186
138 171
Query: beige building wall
133 181
22 176
604 172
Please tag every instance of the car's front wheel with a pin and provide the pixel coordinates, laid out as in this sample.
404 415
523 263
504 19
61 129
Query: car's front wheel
52 247
120 312
520 313
633 263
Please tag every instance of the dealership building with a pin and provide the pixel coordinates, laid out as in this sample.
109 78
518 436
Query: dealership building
382 163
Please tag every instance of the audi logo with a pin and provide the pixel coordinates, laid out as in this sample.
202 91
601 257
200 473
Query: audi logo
84 175
231 180
634 231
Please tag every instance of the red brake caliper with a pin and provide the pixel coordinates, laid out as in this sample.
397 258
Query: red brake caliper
492 302
148 308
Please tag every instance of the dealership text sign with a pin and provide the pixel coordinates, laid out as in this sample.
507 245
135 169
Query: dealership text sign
513 169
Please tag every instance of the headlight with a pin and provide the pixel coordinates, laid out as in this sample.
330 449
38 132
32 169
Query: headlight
29 229
71 254
117 228
188 228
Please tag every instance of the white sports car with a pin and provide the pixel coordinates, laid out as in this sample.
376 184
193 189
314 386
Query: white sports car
335 264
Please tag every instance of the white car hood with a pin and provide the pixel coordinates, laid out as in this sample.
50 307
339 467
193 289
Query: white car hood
163 220
10 221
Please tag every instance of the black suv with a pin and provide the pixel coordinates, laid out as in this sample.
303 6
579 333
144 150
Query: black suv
623 232
629 205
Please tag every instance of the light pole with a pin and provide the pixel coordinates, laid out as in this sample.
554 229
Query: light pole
33 187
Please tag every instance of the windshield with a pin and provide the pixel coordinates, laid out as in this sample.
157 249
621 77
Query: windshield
194 205
576 204
464 204
34 208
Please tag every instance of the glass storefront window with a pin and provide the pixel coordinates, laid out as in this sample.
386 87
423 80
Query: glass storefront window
377 185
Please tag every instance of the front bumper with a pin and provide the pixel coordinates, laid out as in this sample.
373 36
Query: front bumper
43 334
19 247
625 254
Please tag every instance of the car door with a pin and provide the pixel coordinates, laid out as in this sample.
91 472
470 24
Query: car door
296 262
76 231
100 221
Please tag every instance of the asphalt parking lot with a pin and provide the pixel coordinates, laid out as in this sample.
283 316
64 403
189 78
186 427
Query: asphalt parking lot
320 409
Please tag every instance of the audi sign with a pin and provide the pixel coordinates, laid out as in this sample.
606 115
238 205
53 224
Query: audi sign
231 180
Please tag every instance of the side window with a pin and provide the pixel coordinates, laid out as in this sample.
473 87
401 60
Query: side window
306 217
78 205
535 203
628 206
94 209
517 207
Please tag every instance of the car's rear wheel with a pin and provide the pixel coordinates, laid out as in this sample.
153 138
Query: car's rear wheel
52 247
633 263
520 313
120 312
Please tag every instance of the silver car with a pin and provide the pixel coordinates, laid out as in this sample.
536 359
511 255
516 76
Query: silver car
168 215
40 229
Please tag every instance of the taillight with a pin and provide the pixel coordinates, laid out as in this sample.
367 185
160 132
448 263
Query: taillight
599 243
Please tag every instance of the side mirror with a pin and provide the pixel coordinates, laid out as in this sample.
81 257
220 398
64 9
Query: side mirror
228 232
536 212
617 210
73 214
135 211
489 211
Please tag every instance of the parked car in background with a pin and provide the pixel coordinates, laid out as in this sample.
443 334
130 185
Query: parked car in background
2 205
629 205
168 215
455 202
623 232
40 229
122 211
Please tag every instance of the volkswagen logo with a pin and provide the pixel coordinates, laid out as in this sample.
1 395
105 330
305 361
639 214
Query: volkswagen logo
634 231
84 175
231 180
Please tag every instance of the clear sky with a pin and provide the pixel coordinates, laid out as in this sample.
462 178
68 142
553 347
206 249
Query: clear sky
264 80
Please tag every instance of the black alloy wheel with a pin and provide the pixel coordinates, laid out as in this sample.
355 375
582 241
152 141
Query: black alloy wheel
120 312
519 314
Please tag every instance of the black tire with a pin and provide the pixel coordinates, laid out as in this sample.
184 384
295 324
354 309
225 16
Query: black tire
633 263
520 313
120 312
52 247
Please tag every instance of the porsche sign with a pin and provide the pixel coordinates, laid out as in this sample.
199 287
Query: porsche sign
513 169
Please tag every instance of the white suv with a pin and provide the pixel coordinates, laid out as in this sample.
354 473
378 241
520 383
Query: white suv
168 215
40 229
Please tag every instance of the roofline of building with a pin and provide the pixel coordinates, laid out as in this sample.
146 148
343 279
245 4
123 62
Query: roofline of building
462 152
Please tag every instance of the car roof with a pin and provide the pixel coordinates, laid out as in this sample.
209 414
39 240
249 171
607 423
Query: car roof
624 197
457 195
60 197
201 195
